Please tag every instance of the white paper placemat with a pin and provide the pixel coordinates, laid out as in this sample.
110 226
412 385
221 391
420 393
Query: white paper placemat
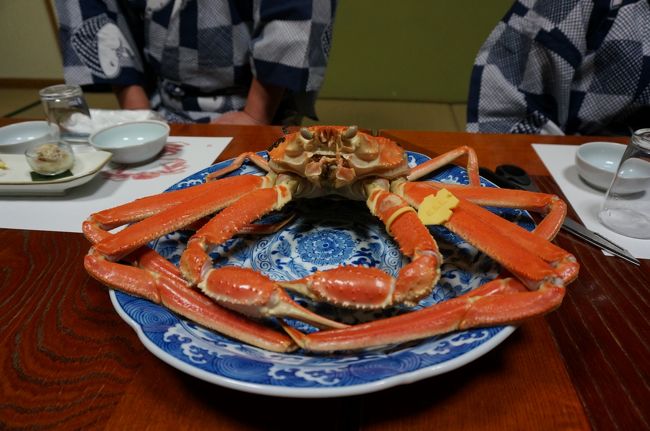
585 200
115 185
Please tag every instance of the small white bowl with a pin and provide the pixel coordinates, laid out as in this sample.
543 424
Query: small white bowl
132 142
16 138
597 163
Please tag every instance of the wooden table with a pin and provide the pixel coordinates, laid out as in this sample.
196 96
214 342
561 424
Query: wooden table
68 361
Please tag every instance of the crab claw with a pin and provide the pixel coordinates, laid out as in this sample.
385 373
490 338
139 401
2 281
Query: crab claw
253 294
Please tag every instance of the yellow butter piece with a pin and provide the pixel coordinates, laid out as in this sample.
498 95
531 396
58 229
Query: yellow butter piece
3 165
437 209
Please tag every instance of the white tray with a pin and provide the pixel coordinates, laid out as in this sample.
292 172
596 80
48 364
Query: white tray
17 181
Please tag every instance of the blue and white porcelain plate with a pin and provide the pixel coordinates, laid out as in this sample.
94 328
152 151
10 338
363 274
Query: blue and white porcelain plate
324 234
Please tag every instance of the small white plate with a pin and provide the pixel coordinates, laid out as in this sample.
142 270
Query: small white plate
17 181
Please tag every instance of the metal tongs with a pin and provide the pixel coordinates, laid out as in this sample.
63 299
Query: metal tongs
510 176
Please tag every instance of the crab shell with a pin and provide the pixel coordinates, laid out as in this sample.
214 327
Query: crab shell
333 157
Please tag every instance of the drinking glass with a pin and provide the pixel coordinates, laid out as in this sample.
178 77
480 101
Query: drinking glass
66 107
626 209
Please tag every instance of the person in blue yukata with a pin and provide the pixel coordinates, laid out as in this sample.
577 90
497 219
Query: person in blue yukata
222 61
564 67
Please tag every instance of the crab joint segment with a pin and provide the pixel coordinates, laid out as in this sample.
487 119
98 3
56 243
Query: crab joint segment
166 213
416 279
347 286
195 261
396 214
146 280
500 301
252 294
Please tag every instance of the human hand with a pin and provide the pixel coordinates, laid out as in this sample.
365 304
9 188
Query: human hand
238 118
132 97
261 103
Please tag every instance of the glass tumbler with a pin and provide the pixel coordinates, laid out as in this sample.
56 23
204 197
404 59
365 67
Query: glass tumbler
626 209
66 107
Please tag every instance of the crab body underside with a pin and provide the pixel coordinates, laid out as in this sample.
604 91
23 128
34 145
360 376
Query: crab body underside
319 161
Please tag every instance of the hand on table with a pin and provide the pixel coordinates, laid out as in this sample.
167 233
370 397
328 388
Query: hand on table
261 103
238 118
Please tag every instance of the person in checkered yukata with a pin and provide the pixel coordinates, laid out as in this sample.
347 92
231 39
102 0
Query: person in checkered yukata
564 67
223 61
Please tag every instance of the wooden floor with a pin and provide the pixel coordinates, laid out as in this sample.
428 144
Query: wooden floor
24 103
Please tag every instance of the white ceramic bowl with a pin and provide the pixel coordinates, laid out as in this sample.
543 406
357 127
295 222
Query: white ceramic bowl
597 163
16 138
132 142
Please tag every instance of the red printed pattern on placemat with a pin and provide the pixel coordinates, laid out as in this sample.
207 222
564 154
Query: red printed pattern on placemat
169 162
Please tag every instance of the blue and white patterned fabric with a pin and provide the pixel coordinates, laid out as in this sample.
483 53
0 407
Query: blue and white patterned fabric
565 66
201 54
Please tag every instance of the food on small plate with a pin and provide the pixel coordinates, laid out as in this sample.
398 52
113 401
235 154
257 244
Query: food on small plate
50 158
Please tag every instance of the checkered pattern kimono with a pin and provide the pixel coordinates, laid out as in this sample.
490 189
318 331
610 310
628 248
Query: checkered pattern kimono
197 57
564 66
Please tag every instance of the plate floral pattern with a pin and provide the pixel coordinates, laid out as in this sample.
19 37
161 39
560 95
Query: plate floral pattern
325 233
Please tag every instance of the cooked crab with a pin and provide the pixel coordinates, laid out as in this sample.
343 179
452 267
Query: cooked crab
342 161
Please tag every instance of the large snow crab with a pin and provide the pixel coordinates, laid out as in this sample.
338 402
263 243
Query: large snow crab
342 161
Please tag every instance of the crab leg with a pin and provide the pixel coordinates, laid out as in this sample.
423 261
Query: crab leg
227 223
502 301
347 286
154 278
360 287
187 209
144 257
527 255
552 207
145 207
255 295
236 164
443 159
241 289
543 268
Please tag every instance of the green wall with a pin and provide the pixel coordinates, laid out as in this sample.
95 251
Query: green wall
29 49
414 50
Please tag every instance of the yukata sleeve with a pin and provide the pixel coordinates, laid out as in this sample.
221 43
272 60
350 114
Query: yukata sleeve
291 43
522 78
97 46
